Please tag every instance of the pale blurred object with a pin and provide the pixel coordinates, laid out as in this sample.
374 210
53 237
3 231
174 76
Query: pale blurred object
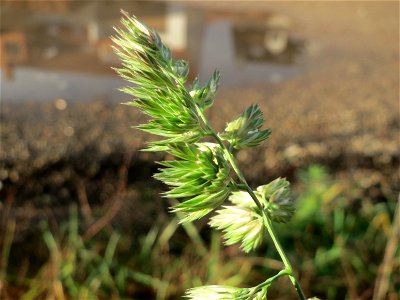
13 51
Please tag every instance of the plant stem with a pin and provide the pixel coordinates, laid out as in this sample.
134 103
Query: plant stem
267 220
267 282
270 280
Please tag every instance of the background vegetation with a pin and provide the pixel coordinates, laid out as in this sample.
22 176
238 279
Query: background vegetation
336 244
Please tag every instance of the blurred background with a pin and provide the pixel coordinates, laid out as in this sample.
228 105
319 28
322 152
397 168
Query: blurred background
82 218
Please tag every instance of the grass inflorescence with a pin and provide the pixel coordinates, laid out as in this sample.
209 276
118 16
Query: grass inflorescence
204 174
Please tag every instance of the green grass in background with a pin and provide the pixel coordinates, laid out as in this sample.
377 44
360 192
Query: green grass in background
341 242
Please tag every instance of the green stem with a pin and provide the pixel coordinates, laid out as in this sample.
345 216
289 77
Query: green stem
273 278
267 282
267 220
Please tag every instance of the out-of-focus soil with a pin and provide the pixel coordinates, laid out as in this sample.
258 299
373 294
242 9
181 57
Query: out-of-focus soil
342 111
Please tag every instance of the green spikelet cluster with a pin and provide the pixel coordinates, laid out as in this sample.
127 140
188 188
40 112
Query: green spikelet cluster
203 175
240 224
244 132
277 200
243 222
158 88
274 197
200 174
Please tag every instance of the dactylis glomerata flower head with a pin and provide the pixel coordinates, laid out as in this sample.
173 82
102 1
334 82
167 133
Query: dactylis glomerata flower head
158 84
276 198
243 222
244 132
240 224
201 174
